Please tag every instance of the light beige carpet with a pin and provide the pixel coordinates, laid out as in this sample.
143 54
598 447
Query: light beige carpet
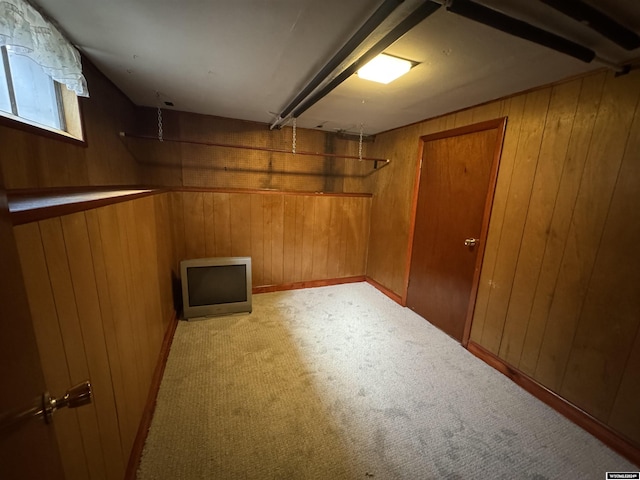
341 382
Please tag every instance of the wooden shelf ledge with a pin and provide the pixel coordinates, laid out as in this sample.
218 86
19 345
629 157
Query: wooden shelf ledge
28 206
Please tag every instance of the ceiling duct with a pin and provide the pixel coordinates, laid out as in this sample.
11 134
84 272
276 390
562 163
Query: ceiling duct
373 22
598 21
418 15
518 28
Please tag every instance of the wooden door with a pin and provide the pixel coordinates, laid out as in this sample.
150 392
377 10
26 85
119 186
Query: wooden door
29 449
454 196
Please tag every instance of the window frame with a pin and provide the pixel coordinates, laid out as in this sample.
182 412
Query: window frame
68 109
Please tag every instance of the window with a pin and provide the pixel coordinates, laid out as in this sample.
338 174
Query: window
29 95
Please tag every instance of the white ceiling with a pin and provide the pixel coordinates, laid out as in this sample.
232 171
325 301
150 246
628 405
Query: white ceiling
248 59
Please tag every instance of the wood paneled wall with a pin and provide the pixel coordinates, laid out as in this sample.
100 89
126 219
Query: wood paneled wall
559 295
99 286
100 293
290 237
189 165
33 161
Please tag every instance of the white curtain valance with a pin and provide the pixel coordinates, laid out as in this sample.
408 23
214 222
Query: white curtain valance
26 32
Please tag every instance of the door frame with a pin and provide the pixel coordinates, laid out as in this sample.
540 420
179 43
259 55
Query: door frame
500 124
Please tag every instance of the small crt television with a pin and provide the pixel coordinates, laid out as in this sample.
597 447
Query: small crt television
216 286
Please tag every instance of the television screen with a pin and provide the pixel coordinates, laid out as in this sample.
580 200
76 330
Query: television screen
215 286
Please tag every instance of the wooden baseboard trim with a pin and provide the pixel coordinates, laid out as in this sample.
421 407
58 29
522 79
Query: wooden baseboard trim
595 427
392 295
147 414
309 284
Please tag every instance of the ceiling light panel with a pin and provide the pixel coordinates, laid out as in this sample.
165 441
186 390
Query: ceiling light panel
385 68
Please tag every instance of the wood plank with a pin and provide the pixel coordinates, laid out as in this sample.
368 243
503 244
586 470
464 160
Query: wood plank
308 222
277 239
321 253
132 278
50 345
356 236
267 227
135 226
517 202
353 227
151 257
344 237
488 111
114 259
108 325
76 240
360 240
589 214
193 204
69 323
240 205
289 239
164 267
222 224
151 262
609 318
299 234
208 208
365 228
447 122
590 95
147 252
335 260
463 117
166 257
553 150
257 239
514 110
177 227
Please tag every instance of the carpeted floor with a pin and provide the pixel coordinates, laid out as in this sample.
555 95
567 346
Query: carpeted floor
341 382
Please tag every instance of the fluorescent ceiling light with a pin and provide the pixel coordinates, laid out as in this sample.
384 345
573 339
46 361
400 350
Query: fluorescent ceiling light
385 68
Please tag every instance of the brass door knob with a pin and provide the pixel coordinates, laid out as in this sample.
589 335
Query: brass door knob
75 397
471 242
